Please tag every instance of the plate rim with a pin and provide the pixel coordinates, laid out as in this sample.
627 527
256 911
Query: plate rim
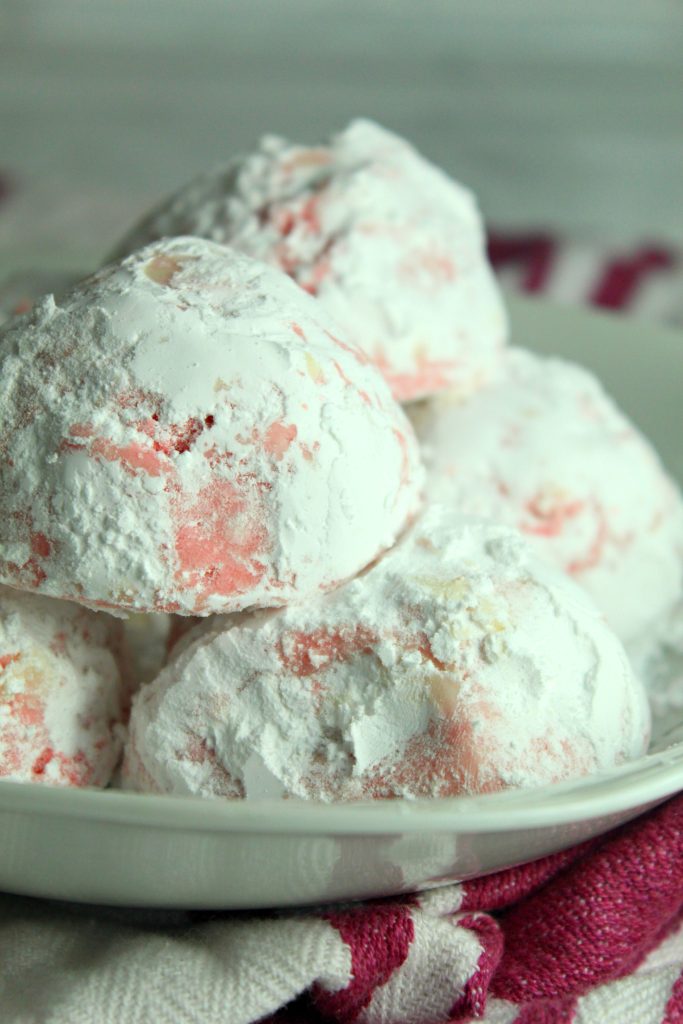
638 783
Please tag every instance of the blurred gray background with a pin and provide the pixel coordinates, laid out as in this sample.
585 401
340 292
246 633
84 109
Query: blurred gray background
559 114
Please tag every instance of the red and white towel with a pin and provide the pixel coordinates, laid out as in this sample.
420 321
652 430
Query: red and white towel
593 935
644 280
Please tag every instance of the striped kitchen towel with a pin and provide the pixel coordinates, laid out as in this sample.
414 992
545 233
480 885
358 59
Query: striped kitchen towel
593 935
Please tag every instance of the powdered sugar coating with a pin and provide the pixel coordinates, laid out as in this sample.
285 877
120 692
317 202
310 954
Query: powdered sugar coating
62 700
456 664
546 450
181 434
392 248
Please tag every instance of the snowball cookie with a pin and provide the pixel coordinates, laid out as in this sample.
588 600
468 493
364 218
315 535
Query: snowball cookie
547 451
61 695
456 664
182 434
392 247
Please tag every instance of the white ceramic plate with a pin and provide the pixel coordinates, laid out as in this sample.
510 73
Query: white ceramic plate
139 850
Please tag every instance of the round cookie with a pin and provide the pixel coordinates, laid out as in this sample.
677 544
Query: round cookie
62 700
545 450
393 249
456 664
181 434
